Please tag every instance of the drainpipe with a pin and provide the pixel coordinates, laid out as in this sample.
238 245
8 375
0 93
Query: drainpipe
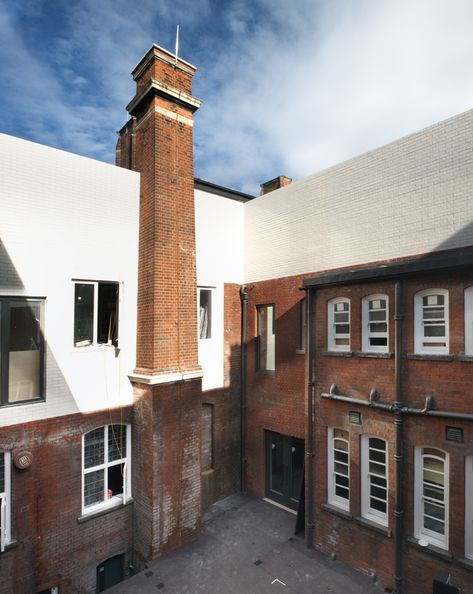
244 309
310 417
398 456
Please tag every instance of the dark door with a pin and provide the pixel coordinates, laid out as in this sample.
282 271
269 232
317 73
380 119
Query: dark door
110 572
284 469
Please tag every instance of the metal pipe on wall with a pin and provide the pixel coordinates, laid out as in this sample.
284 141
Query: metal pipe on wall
244 309
310 417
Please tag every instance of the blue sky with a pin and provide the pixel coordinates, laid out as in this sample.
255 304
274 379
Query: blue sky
288 86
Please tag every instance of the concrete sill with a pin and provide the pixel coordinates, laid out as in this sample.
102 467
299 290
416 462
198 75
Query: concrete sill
431 550
429 357
300 352
384 530
336 511
373 355
337 353
465 357
10 546
103 512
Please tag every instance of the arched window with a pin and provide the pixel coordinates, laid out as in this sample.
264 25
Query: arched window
106 459
431 321
374 329
338 330
431 496
338 484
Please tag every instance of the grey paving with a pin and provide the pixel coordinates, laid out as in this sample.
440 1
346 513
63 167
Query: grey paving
247 546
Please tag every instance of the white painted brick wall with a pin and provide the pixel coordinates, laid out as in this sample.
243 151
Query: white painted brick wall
65 217
412 196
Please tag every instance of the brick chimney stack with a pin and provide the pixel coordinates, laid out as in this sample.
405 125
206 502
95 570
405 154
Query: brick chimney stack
157 142
274 184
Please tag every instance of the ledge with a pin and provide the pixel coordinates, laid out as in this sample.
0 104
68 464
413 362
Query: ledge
429 357
165 378
465 357
302 352
103 512
337 353
373 355
465 563
431 550
10 546
380 529
336 511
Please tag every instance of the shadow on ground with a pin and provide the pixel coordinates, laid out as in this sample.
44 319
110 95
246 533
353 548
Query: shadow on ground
247 546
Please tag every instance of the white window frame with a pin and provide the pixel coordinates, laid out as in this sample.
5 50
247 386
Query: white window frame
5 505
116 500
211 290
332 474
266 336
469 507
332 336
366 333
420 531
468 301
95 320
419 325
368 479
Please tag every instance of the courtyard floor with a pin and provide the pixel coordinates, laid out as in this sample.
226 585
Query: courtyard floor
247 546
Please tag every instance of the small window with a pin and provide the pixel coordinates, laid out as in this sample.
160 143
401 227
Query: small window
21 350
374 479
339 325
469 507
431 496
5 536
95 313
375 323
205 313
469 321
338 468
106 462
302 325
431 321
266 338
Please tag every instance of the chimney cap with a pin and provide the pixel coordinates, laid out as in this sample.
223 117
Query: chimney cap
157 52
274 184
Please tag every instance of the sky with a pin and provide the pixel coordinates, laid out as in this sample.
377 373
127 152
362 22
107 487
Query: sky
288 87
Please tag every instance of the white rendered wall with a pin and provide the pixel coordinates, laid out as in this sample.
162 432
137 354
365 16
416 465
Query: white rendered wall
219 258
66 217
410 197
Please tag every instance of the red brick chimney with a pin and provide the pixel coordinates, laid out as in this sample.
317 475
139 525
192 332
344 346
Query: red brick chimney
274 184
157 142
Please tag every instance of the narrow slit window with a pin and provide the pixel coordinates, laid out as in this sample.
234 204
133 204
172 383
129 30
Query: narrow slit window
374 484
266 338
205 313
339 325
338 468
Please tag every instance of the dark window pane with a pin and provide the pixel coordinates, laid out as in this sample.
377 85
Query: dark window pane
107 323
379 327
376 341
24 351
205 313
83 314
434 331
94 487
378 505
342 329
277 464
94 448
377 316
297 467
341 492
115 480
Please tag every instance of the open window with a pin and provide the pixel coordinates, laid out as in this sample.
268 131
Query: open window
95 313
205 313
106 457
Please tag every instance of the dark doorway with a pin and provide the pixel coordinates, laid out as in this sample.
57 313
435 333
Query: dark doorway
284 469
110 572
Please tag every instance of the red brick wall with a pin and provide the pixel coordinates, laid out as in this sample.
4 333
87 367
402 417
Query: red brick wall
52 548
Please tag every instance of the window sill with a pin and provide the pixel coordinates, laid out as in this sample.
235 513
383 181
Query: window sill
22 403
9 546
208 472
379 528
373 355
336 511
265 372
102 512
94 348
302 352
429 357
430 549
337 353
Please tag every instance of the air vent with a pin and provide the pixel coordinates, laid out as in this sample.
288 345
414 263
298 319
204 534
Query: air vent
354 417
454 434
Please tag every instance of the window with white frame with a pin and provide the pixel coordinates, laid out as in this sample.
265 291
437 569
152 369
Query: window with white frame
469 507
374 313
338 476
205 312
5 535
106 459
431 496
431 321
339 324
95 313
374 479
266 343
469 321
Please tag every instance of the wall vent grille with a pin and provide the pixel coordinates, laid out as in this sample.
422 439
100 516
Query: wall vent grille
454 434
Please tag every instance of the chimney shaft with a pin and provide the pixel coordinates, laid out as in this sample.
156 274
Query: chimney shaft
274 184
